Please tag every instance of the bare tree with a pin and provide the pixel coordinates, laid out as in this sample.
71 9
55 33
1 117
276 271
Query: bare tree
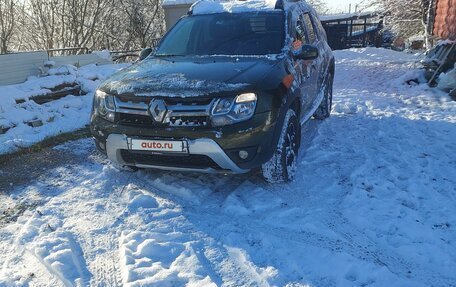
319 5
408 18
145 20
63 23
7 23
82 17
42 23
428 21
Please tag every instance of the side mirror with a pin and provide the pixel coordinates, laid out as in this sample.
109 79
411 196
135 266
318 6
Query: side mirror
308 52
144 53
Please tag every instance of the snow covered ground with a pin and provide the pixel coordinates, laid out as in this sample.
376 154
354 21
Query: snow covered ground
373 204
64 115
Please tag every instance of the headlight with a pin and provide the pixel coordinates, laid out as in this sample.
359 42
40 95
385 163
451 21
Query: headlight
232 110
104 105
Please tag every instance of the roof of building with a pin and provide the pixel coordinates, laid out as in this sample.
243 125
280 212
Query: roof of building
445 19
177 2
346 16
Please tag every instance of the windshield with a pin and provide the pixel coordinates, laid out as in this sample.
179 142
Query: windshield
226 34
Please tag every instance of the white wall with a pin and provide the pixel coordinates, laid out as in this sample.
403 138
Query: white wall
173 13
15 68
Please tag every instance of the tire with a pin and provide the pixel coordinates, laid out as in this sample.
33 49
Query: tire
98 147
453 94
283 164
324 110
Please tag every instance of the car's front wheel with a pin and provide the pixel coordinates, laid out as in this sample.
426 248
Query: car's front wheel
283 164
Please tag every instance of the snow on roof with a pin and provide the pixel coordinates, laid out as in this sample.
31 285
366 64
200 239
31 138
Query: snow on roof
177 2
343 16
446 42
232 6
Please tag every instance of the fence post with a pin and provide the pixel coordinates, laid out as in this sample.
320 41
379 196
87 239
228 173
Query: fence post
351 34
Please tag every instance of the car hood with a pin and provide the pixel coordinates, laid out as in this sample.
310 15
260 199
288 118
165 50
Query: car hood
186 77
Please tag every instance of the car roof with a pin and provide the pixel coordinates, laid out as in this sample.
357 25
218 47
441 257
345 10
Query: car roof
203 7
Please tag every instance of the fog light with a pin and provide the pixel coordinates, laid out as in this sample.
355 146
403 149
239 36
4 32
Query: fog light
110 116
243 154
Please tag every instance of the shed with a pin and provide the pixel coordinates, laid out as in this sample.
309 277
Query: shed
174 10
353 29
445 19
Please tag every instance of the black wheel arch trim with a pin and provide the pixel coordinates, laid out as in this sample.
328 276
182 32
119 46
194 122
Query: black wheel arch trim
290 100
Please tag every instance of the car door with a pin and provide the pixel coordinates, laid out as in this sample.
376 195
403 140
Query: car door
316 66
302 68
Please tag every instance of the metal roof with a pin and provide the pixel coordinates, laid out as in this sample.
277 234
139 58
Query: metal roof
445 19
347 16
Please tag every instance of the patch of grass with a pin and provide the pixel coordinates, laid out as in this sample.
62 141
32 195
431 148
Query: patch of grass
48 142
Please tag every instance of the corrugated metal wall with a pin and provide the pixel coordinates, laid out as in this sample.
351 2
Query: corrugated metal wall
445 19
15 68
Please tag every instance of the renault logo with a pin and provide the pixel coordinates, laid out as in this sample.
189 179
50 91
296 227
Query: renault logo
157 109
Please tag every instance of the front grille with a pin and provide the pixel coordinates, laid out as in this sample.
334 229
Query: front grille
188 121
180 112
193 161
191 101
134 99
134 120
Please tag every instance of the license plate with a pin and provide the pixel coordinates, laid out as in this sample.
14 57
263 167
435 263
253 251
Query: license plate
161 146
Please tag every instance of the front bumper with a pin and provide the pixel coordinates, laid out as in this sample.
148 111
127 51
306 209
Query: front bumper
117 143
220 145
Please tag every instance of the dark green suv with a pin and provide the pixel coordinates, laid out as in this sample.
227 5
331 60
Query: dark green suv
226 90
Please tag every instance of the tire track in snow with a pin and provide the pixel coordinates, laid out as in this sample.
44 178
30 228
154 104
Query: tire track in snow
53 249
357 239
225 267
354 243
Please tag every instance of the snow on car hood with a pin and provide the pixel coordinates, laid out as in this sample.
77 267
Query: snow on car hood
184 78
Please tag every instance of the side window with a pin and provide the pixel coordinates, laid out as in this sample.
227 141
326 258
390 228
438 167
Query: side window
312 37
320 29
290 24
301 30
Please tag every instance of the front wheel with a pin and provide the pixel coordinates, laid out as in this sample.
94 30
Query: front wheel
324 110
283 164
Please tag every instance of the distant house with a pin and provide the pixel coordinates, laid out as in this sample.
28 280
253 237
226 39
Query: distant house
174 10
416 42
445 19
